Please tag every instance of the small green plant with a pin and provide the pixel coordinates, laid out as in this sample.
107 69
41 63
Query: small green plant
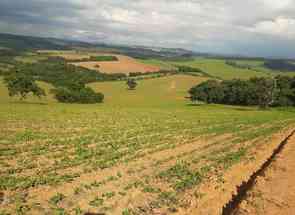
78 190
97 202
127 212
57 198
108 195
150 189
78 211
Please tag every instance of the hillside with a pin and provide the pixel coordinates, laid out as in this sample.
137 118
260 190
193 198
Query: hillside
150 150
19 42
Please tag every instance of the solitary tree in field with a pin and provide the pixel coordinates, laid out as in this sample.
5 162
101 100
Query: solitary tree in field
131 83
20 84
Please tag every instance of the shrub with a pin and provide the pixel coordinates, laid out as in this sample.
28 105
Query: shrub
131 83
19 84
77 93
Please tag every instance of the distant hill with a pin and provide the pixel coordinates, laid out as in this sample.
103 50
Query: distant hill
21 43
151 52
18 42
280 65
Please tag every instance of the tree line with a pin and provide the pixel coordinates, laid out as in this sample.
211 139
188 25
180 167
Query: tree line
95 58
264 92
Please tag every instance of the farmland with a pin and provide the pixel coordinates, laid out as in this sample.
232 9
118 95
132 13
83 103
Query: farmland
219 68
124 64
145 151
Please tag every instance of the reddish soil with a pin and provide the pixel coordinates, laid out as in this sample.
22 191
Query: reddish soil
125 65
215 193
274 193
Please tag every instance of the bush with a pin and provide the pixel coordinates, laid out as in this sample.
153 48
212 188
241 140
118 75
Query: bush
131 83
19 84
77 93
95 58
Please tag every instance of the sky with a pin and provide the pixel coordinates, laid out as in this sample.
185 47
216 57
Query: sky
246 27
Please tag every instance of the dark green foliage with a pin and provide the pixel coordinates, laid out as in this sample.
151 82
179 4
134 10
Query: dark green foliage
19 84
131 83
282 65
134 74
56 71
77 92
193 71
96 58
161 72
285 91
103 58
263 92
238 92
210 92
237 65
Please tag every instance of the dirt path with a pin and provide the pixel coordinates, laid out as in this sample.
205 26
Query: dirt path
274 193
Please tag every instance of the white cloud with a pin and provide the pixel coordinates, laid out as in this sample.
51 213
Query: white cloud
281 27
215 26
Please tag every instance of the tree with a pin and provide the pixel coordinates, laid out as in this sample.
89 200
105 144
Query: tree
264 88
283 91
264 92
20 84
210 92
131 84
77 92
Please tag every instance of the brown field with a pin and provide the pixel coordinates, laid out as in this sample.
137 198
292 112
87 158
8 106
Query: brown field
68 55
124 65
273 192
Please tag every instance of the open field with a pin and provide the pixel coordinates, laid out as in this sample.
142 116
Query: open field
219 68
125 64
273 192
215 67
30 58
146 151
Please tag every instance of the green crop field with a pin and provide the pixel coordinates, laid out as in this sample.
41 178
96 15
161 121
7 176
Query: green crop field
139 150
219 68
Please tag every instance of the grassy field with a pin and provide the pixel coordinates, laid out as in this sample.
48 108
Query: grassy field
162 64
139 150
258 65
219 68
30 58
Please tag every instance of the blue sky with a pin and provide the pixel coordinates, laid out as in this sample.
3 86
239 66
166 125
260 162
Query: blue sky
252 27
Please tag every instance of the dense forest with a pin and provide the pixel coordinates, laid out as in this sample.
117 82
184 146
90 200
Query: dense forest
263 92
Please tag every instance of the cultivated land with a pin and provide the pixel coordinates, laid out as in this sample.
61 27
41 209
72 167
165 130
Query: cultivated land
147 151
273 192
125 64
218 67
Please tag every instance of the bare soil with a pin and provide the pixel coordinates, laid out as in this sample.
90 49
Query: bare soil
218 191
124 65
274 192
